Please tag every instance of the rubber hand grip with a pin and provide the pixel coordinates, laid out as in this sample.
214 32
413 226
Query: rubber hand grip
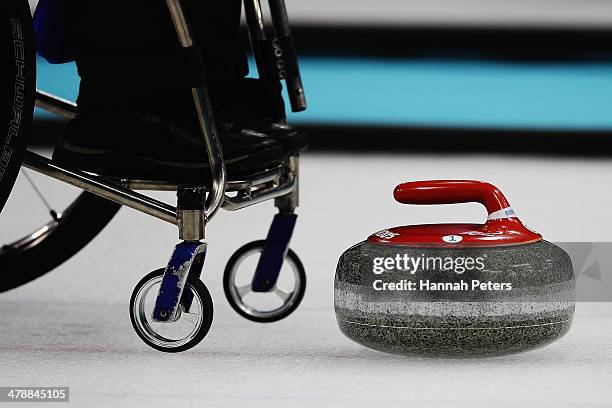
453 192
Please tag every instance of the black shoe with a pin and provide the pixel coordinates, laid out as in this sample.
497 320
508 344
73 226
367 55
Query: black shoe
151 146
293 140
253 104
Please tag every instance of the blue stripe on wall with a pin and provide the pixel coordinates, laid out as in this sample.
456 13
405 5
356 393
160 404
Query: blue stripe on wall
576 96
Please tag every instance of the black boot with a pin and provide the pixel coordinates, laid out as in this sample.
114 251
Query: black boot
160 141
254 104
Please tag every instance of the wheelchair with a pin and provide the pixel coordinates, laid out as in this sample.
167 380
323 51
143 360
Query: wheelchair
171 309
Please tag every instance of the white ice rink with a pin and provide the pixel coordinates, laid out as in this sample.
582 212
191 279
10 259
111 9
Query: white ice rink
71 327
489 13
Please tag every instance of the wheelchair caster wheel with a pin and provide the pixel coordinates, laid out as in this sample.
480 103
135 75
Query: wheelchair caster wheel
180 334
275 304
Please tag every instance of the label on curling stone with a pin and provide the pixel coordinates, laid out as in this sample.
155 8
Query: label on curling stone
503 213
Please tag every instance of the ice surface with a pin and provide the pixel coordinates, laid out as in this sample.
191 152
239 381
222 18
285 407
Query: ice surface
71 327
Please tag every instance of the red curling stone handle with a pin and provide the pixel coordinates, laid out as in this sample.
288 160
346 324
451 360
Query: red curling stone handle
454 192
501 228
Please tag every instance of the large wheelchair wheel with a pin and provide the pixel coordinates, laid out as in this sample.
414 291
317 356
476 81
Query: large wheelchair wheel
17 89
25 259
55 242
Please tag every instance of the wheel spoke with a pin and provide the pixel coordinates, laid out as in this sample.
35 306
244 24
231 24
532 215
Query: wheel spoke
243 290
40 195
282 294
191 317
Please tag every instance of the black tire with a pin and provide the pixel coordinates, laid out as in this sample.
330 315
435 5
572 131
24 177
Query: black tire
227 283
200 290
18 88
35 255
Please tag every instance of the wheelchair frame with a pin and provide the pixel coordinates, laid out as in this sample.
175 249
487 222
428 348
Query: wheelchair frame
197 205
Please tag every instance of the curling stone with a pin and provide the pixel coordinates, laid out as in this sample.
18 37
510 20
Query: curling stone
455 290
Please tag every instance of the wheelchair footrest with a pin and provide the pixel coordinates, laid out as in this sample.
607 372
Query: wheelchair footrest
257 179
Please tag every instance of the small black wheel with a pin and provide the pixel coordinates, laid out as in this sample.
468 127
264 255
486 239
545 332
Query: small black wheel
265 307
184 332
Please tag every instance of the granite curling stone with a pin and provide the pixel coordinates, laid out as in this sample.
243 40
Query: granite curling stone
455 290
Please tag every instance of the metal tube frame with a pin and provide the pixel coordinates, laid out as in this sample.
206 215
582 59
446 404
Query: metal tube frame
272 184
215 196
282 29
280 20
100 187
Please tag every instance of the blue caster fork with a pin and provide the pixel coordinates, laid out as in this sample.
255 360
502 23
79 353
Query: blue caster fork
264 298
